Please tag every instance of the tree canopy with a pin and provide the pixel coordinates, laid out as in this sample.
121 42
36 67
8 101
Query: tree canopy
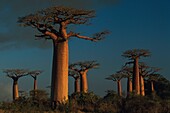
136 53
82 66
16 73
52 23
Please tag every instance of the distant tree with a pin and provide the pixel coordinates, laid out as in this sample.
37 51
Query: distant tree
15 74
135 55
127 71
144 71
162 87
117 78
52 23
76 77
153 78
34 75
82 68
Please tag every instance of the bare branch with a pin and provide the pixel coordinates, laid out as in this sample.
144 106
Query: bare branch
35 73
115 77
74 74
82 66
131 62
126 71
96 37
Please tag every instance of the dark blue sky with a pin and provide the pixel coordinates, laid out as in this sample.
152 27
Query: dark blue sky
132 23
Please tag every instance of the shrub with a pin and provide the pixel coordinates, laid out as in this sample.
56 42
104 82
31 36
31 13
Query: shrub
140 104
83 102
111 103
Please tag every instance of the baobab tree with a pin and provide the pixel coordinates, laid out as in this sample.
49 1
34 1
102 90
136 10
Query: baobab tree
82 68
127 72
144 71
153 78
135 55
76 77
15 74
34 75
52 23
117 78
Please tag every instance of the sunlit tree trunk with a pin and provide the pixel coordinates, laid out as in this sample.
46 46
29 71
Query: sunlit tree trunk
59 84
142 86
152 87
83 82
136 85
76 86
119 88
15 89
129 86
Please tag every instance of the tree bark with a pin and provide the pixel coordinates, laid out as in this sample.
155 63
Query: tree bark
76 86
59 84
129 86
119 88
142 86
136 85
15 90
83 82
152 87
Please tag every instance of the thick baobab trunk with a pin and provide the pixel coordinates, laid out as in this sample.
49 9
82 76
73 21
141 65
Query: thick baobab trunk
15 90
136 85
76 86
83 82
59 84
152 87
35 83
129 86
119 88
142 86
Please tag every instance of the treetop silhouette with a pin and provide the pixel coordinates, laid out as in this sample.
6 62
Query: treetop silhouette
35 73
136 53
45 20
74 74
16 73
82 66
115 77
